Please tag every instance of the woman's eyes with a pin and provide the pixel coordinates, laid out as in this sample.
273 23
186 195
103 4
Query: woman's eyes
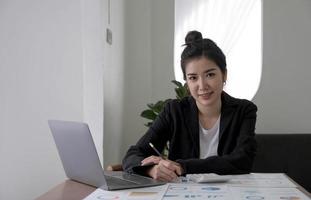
192 78
210 74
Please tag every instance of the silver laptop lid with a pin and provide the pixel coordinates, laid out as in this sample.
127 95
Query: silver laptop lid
77 152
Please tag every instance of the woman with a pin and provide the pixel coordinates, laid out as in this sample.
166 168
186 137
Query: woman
208 132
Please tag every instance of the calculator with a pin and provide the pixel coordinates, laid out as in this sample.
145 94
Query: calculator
208 178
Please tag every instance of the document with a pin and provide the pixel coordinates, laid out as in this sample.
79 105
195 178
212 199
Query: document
248 193
197 192
223 192
147 193
256 186
260 180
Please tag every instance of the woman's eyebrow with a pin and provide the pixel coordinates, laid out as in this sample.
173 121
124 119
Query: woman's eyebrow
209 70
191 74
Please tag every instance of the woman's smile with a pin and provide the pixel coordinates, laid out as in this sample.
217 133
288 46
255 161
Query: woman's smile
206 95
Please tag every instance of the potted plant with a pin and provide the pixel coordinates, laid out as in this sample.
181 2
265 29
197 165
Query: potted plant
154 109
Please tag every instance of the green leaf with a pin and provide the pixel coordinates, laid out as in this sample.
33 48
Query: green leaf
181 89
177 83
184 92
158 107
150 105
148 114
178 93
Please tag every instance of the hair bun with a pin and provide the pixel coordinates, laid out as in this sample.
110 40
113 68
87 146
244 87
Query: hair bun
193 36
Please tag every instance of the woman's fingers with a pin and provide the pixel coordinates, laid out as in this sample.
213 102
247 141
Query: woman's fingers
167 173
171 165
167 169
160 172
151 159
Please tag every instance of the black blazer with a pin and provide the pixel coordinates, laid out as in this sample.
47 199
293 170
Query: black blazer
178 123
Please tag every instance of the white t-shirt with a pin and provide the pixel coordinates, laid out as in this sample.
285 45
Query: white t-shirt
209 139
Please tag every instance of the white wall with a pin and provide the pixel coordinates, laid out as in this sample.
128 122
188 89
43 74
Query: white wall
137 70
93 48
162 43
44 53
148 68
140 53
114 84
283 97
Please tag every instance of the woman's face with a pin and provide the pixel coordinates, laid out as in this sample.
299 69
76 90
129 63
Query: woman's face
205 81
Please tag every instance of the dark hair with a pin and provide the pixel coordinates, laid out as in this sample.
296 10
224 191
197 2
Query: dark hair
197 47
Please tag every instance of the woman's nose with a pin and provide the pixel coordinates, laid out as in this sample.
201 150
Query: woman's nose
202 84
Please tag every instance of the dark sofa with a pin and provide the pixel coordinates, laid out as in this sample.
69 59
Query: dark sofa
286 153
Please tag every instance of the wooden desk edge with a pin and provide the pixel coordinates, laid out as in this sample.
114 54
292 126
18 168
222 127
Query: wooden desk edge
68 190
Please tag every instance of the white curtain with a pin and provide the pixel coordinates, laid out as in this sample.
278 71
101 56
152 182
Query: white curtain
235 25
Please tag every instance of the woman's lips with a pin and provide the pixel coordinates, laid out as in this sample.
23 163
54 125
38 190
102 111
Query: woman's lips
206 95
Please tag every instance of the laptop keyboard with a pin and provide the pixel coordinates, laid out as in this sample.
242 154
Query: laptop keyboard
136 178
118 181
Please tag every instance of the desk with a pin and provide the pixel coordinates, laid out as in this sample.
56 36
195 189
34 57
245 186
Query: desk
71 190
68 190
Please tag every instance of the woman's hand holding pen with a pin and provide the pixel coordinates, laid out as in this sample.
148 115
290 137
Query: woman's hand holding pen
164 170
151 159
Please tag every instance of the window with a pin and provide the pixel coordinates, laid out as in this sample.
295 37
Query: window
235 26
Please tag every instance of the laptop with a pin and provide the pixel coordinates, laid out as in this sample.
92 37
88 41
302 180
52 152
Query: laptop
81 163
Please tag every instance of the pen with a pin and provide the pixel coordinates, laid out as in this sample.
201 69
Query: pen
159 154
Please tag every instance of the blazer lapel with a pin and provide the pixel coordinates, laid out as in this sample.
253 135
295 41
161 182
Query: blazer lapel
227 109
192 124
